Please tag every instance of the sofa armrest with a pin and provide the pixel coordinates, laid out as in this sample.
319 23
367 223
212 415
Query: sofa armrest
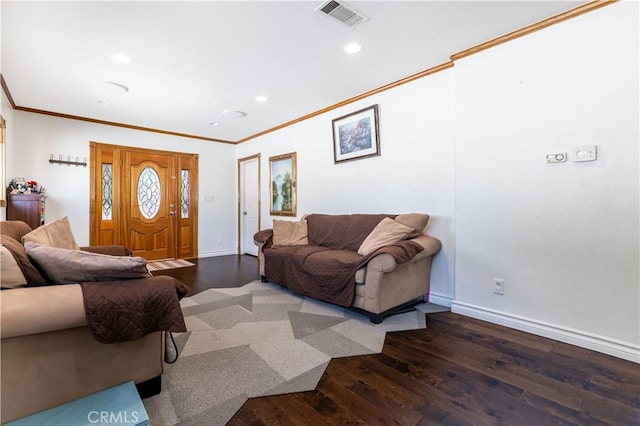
112 250
386 263
389 284
263 237
33 310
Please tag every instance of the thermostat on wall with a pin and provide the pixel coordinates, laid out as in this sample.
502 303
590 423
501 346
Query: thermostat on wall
585 153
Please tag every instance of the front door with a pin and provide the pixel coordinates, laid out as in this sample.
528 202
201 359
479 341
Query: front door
149 186
145 200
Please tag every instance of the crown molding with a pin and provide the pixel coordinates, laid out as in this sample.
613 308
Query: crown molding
555 19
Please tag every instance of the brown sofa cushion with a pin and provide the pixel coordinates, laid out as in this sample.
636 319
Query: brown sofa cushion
388 231
289 233
55 234
342 232
82 266
14 229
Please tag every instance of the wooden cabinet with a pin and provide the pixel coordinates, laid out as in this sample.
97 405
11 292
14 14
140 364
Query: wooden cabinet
28 208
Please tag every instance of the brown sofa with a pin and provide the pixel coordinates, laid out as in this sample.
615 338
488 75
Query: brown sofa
374 263
49 355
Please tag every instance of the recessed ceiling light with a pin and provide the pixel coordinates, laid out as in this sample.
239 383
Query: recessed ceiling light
214 124
353 48
234 114
121 59
261 98
106 103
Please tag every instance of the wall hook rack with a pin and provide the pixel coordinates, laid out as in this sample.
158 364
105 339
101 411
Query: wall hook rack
68 161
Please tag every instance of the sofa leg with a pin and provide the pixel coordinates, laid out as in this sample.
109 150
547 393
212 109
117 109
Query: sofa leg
376 318
263 279
150 387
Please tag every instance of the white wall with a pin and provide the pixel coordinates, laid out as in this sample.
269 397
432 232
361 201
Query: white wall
37 136
414 172
564 237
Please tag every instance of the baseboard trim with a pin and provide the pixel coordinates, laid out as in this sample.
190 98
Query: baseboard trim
214 253
594 342
440 299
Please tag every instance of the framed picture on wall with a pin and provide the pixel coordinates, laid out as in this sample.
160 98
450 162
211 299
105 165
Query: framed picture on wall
356 136
282 184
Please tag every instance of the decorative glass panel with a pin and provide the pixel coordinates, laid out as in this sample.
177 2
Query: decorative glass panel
107 191
184 201
149 193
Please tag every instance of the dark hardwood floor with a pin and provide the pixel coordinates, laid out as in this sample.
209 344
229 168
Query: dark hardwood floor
458 371
216 272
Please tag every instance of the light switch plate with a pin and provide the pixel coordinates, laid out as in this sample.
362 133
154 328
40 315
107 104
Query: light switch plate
585 153
556 157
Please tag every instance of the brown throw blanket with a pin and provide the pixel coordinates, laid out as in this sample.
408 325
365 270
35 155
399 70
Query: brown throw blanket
326 274
120 311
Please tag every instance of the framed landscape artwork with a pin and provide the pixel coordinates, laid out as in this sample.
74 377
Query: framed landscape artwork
355 135
282 183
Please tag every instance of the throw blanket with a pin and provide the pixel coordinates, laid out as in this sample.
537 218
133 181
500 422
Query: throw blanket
324 273
120 311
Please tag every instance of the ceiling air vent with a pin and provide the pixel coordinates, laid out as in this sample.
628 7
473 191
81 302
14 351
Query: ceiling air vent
343 13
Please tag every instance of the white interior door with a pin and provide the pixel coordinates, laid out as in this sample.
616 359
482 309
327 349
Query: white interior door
249 204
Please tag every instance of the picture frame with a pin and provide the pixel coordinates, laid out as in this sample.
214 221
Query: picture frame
282 185
356 135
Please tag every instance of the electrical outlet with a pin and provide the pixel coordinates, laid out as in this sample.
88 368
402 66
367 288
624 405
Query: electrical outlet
498 286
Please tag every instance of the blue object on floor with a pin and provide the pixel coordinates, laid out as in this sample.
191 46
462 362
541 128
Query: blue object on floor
119 405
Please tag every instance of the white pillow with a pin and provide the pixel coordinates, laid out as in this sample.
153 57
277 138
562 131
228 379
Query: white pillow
388 231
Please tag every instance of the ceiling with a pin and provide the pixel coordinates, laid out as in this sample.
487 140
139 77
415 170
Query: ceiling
192 60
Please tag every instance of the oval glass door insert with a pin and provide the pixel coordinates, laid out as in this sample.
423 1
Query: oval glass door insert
149 193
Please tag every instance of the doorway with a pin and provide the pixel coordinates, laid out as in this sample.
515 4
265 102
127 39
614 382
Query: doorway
248 203
145 200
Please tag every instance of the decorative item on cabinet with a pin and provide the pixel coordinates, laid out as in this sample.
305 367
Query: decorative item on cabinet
26 202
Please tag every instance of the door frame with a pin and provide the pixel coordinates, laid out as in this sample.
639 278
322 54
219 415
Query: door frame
241 186
106 232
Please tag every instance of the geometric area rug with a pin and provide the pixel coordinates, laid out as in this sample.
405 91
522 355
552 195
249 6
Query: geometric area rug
257 340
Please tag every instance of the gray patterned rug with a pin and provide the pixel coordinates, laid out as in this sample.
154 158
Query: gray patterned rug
257 340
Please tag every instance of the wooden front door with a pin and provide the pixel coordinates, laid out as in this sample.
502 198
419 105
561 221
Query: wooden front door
149 204
145 200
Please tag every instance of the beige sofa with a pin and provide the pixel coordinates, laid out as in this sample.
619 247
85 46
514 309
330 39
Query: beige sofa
383 282
48 354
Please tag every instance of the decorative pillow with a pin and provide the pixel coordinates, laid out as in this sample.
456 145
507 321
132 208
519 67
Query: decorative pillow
64 266
55 234
417 221
289 233
10 271
31 274
388 231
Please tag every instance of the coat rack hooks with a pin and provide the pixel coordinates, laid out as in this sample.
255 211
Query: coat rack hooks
68 161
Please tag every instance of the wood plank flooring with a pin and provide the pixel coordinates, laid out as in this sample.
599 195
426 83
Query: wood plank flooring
458 371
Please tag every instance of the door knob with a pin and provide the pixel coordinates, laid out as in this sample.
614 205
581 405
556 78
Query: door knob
172 213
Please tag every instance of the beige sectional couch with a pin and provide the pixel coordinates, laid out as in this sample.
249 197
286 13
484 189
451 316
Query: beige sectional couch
48 353
384 261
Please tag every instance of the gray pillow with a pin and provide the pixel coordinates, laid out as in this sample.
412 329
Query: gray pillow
64 266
